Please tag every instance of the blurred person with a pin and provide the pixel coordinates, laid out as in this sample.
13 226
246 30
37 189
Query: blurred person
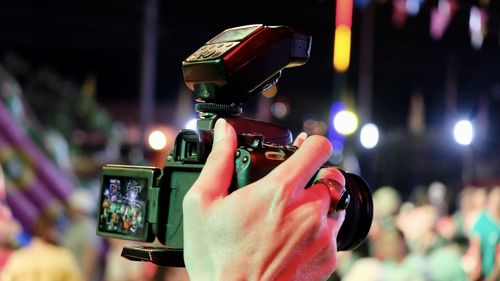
362 267
386 203
484 250
9 228
399 262
165 273
437 196
80 237
42 259
418 223
272 229
365 269
8 231
446 227
117 268
391 260
472 200
446 262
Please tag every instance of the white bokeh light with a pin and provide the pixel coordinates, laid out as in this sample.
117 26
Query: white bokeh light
345 122
369 136
463 132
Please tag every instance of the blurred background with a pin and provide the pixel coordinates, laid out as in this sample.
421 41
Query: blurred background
407 91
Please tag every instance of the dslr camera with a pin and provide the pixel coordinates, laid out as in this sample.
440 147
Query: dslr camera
145 203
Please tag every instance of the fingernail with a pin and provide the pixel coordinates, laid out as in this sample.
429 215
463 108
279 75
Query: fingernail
301 138
302 135
220 129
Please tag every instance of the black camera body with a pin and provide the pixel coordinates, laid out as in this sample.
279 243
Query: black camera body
144 203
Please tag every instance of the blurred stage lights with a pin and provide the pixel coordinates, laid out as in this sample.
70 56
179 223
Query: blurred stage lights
463 132
345 122
369 136
157 140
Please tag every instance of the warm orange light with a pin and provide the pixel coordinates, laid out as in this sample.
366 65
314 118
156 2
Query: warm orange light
342 48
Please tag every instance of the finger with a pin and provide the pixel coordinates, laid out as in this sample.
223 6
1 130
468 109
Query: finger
215 177
299 140
295 172
330 186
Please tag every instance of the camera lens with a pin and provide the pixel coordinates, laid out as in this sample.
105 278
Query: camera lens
359 213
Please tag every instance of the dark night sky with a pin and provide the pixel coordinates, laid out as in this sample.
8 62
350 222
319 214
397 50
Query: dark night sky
84 37
76 38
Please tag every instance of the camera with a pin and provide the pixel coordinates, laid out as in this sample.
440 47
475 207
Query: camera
145 203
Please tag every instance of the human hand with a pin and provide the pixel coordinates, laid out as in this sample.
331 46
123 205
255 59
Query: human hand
272 229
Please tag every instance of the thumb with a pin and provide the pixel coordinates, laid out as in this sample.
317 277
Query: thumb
216 175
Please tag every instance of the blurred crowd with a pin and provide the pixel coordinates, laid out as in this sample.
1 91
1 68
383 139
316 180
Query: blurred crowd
422 239
417 240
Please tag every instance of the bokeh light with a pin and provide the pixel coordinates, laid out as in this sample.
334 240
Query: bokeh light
157 140
280 110
369 136
345 122
314 127
271 92
463 132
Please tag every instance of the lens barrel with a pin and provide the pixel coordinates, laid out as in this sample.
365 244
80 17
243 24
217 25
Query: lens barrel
359 213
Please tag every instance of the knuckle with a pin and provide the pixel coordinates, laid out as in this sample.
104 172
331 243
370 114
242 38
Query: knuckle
320 145
280 194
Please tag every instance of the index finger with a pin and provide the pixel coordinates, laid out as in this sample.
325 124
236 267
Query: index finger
296 171
215 177
300 139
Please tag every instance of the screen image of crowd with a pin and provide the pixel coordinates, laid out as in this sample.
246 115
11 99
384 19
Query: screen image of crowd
123 206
